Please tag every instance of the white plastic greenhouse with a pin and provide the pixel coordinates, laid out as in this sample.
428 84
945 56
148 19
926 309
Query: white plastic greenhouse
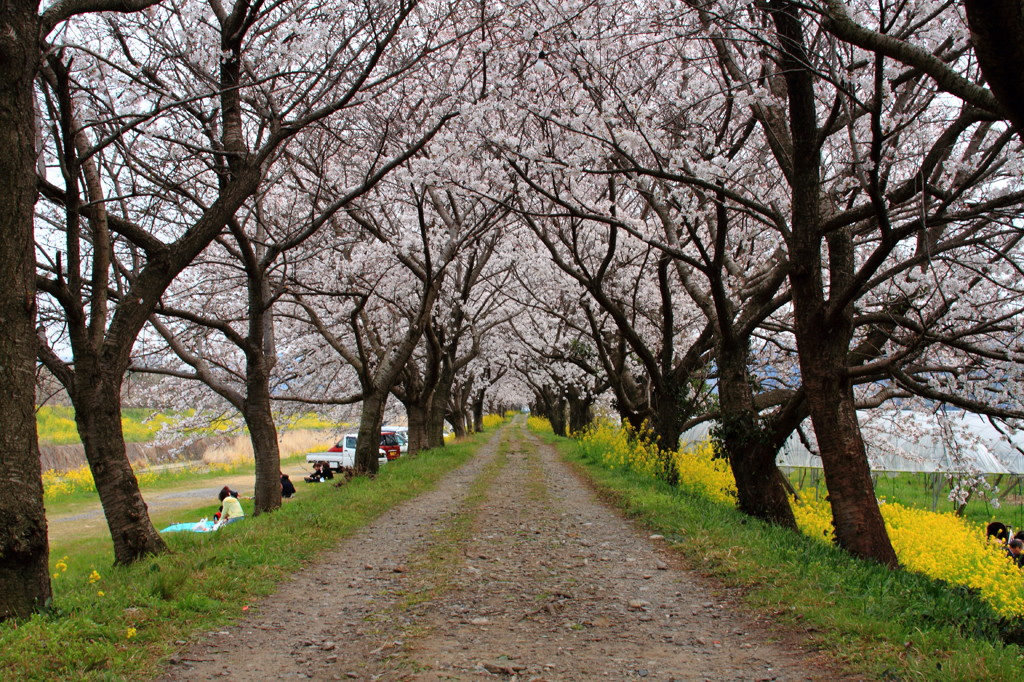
914 442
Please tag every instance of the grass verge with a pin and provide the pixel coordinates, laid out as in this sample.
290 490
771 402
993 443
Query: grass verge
882 624
120 622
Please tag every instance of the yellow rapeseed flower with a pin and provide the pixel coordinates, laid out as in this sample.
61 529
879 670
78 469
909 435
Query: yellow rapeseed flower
964 559
539 424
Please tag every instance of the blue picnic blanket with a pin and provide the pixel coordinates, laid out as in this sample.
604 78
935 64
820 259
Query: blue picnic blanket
203 526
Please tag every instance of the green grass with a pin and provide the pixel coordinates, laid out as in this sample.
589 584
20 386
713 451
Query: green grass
874 622
204 583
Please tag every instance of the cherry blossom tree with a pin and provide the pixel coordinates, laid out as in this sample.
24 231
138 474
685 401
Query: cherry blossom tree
259 246
183 118
374 305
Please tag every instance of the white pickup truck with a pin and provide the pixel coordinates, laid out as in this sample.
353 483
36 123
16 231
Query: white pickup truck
343 454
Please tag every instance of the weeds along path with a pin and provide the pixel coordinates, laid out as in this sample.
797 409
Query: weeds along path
512 569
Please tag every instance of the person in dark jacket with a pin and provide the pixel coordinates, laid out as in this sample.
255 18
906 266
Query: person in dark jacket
321 472
287 487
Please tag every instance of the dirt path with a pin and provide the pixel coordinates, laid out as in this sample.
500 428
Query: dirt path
512 569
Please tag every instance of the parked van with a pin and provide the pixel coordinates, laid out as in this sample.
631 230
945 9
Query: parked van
402 433
343 454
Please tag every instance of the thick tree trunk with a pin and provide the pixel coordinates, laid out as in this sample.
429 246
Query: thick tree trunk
368 442
24 552
580 412
97 402
858 521
478 410
666 430
823 335
438 405
635 421
997 32
751 454
263 435
458 422
556 413
417 415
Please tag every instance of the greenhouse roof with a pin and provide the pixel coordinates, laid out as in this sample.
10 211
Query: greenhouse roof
915 442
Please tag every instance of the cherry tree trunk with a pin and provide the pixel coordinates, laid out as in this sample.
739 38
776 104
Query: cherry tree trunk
417 415
750 450
580 414
478 411
435 428
263 435
438 404
97 402
823 332
556 415
370 421
667 429
997 35
458 422
24 551
858 522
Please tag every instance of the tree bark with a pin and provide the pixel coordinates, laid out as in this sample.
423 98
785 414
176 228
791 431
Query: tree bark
749 448
997 32
823 335
478 409
24 551
263 435
580 410
97 401
368 442
458 421
439 403
556 413
667 429
417 416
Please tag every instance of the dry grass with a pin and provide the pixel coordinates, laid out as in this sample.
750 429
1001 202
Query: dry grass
239 449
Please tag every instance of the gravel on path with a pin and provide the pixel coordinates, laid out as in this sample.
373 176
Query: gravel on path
511 569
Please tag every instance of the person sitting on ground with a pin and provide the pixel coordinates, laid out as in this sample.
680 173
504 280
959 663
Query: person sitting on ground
287 487
230 507
321 472
317 475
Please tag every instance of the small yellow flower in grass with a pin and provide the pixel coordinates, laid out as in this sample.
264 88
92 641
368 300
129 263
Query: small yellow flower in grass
61 565
94 577
131 632
101 593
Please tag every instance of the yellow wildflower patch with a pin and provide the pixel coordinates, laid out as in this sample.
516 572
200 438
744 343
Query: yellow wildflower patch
702 470
538 424
941 546
492 420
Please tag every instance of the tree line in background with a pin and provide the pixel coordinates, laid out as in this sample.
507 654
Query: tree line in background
752 214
